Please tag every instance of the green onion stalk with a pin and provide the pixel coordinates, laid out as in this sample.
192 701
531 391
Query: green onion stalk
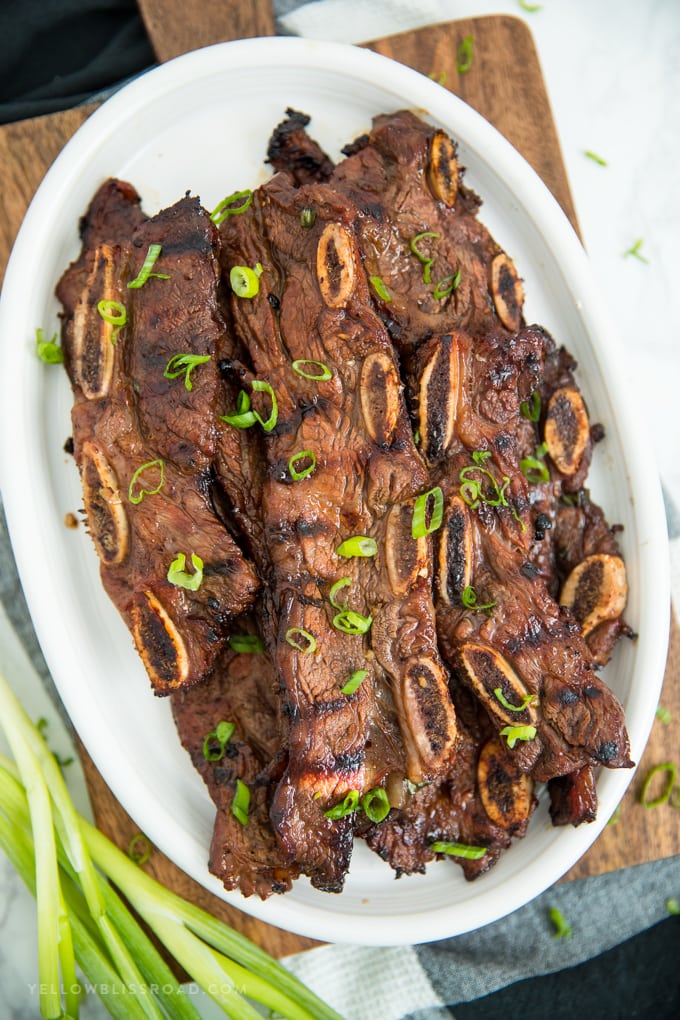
71 869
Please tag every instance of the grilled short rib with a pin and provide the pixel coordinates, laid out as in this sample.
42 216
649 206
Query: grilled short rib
349 439
127 414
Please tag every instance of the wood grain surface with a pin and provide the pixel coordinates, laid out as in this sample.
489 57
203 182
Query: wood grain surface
505 85
177 26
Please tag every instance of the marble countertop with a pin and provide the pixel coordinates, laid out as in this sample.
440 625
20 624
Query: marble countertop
612 70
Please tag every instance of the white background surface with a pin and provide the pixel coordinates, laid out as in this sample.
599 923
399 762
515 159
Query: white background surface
613 75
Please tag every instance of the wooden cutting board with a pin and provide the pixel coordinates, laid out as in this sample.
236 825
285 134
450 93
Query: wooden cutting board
506 86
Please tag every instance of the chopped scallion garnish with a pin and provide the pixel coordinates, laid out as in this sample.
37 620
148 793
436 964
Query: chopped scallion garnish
246 644
381 290
562 926
530 8
358 545
529 700
184 364
469 599
216 741
144 273
143 490
306 458
342 583
244 281
308 644
487 490
178 576
227 206
354 682
447 285
515 733
672 906
240 804
616 817
346 807
663 715
245 417
470 853
534 470
465 54
420 526
595 158
531 408
48 351
350 622
300 366
139 849
671 771
634 250
114 313
376 804
307 217
425 259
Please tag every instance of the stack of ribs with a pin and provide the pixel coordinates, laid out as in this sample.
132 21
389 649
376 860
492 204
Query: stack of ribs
394 593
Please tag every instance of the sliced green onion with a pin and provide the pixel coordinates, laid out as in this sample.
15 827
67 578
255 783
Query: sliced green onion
447 286
354 682
342 583
562 926
419 524
184 364
143 491
465 53
529 700
470 853
672 906
307 217
530 8
515 733
48 351
534 470
672 774
471 490
663 715
297 474
263 387
245 417
139 849
240 804
246 644
531 408
114 313
227 206
358 545
346 807
381 290
178 576
616 817
350 622
299 366
144 273
244 281
308 647
425 259
220 736
441 79
595 158
469 600
634 250
376 804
